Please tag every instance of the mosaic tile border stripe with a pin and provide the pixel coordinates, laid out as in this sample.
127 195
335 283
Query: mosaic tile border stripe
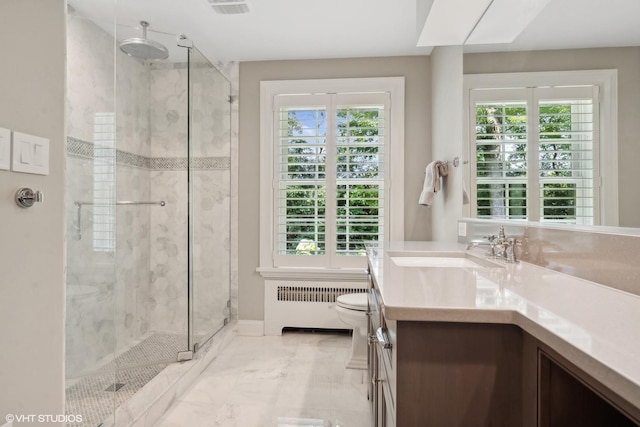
80 148
181 163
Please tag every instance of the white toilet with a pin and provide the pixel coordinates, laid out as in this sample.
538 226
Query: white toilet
352 310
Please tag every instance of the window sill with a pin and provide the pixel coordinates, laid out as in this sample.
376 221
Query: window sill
309 273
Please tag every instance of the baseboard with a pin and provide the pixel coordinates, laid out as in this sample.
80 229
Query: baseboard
250 328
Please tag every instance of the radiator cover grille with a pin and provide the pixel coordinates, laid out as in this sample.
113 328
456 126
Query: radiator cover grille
314 293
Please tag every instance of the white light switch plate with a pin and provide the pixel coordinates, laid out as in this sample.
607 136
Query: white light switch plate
462 229
5 149
30 154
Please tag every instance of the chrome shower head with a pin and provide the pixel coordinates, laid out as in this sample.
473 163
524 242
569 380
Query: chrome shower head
144 48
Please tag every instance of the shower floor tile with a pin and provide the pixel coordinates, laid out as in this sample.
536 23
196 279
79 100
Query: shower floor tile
297 379
92 396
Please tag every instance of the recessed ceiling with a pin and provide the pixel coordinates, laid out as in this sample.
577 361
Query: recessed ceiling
303 29
568 24
450 22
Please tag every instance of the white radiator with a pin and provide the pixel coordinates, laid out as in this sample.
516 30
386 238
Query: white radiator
304 304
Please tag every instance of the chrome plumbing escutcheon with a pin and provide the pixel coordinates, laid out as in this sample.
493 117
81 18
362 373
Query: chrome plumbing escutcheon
26 197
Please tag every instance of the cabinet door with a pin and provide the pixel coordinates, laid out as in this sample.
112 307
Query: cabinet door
374 323
565 400
458 374
380 418
383 407
375 392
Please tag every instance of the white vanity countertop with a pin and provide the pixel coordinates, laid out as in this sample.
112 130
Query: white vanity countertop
594 326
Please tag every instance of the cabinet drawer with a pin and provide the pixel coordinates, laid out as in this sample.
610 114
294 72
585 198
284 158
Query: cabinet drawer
386 370
385 374
374 309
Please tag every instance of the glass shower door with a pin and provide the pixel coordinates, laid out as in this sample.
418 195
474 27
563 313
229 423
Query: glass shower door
91 297
209 198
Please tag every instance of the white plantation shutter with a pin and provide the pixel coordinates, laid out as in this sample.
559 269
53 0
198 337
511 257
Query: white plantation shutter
360 175
330 186
536 152
501 151
301 179
567 137
104 183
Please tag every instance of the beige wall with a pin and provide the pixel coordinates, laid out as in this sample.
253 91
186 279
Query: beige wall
415 70
627 62
446 134
32 93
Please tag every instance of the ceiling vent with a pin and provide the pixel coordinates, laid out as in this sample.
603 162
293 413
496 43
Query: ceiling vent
229 7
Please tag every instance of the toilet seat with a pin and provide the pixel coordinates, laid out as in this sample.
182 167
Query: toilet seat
357 302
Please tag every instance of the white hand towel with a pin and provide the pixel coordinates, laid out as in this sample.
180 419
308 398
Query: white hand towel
431 186
465 191
465 195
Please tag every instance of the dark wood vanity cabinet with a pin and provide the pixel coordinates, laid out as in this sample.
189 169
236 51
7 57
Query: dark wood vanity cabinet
381 375
458 374
567 397
471 374
462 374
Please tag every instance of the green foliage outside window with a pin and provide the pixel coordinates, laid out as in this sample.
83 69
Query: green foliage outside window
358 161
502 160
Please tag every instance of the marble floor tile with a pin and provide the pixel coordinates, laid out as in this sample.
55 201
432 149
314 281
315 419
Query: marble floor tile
298 378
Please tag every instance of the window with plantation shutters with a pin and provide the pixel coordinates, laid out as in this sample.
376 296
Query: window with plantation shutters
104 183
501 162
301 182
360 183
536 154
331 174
329 186
568 155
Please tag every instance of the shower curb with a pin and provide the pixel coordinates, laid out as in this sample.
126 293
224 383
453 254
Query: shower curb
150 403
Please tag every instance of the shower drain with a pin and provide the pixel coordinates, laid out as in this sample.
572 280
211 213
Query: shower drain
114 387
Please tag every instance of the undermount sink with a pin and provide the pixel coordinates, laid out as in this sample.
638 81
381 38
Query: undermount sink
433 262
461 260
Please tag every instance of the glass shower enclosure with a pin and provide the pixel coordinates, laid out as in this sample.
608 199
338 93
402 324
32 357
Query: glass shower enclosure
148 211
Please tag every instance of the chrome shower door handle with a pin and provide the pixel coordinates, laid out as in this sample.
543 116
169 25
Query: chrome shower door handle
26 197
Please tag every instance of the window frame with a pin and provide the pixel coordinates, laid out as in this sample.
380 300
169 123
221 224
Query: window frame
104 183
394 171
606 83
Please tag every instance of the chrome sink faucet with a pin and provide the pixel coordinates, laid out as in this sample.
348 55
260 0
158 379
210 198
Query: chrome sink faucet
505 246
500 246
488 241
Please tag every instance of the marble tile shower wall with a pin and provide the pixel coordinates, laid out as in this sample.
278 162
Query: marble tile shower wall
91 281
211 183
101 283
212 249
144 281
232 71
107 291
133 255
90 75
210 244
